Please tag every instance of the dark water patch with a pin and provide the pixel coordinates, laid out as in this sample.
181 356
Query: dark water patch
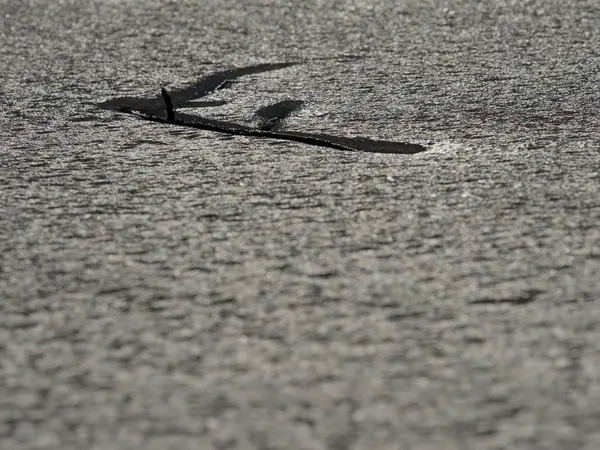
271 116
83 119
396 317
205 104
151 142
142 142
338 58
194 137
523 298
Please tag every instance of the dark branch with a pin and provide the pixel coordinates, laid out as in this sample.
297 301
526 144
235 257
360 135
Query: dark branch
323 140
168 105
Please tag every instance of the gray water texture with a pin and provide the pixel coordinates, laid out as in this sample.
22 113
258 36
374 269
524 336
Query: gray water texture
173 288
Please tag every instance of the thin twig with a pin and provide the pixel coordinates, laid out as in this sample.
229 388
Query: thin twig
168 105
